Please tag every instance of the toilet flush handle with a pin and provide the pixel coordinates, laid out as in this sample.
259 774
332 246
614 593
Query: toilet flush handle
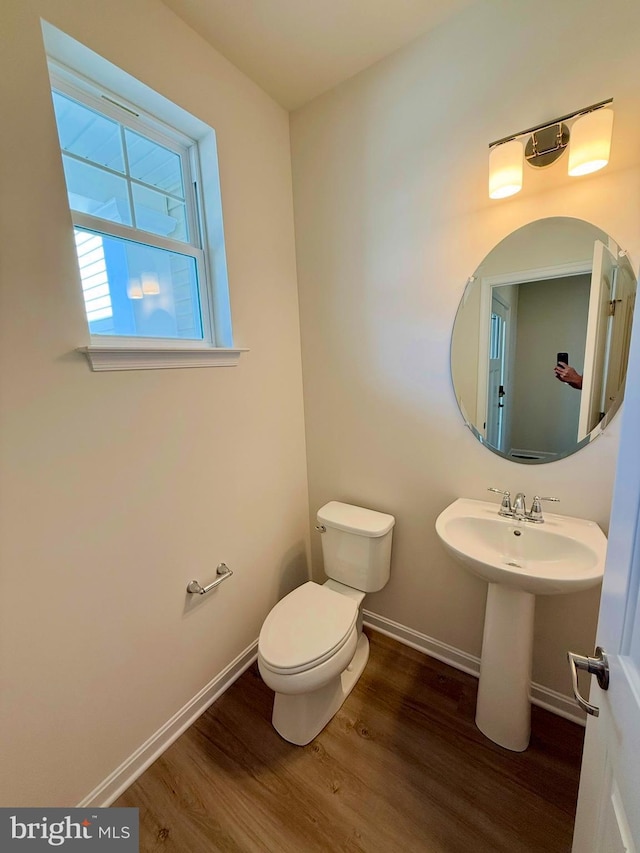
321 528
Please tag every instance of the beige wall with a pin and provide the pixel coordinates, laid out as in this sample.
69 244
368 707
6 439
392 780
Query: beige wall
119 488
543 243
392 216
551 318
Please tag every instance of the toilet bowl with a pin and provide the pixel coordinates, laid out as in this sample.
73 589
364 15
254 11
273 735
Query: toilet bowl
311 649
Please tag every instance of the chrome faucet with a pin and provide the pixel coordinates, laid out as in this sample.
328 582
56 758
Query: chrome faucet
519 509
519 506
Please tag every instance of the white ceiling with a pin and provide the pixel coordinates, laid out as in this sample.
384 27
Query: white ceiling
297 49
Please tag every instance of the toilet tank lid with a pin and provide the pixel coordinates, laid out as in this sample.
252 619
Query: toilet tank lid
355 519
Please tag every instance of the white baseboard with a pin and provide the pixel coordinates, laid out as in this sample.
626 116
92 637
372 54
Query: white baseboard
125 775
557 703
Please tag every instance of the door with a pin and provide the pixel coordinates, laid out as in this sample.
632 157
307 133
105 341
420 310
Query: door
602 282
497 374
608 816
620 334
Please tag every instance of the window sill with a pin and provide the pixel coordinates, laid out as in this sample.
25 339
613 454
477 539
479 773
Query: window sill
156 358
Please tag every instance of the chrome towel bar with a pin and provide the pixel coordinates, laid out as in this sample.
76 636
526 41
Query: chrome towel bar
223 571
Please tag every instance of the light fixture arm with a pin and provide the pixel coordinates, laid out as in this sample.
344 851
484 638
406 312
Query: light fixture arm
546 124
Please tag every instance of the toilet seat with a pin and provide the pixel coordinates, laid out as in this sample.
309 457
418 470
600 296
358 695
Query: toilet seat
306 628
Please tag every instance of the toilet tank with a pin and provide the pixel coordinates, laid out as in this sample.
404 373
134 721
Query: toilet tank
356 545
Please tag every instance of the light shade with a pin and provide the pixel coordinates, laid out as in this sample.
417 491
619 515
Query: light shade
150 284
134 290
590 142
505 169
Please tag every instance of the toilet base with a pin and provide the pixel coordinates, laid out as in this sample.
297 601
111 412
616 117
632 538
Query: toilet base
299 718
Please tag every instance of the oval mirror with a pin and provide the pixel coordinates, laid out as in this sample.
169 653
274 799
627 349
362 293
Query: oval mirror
541 340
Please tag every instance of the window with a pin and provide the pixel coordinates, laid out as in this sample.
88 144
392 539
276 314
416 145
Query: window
152 278
137 227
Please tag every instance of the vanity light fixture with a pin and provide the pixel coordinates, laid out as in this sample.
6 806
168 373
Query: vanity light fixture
589 143
147 285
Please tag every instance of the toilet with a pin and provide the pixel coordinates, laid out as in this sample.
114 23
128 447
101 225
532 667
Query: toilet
311 649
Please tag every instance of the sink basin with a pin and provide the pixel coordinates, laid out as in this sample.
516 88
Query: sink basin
561 555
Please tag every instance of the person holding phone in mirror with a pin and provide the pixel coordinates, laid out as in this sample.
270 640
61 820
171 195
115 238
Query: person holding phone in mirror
565 373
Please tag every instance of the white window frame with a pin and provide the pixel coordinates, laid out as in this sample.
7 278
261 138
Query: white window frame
124 114
113 352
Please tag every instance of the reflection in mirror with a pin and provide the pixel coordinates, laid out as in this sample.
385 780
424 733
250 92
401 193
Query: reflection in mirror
541 340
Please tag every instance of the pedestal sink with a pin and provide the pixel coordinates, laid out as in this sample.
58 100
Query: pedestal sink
519 560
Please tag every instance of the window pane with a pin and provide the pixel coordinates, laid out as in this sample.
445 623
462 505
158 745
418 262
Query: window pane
135 290
159 213
88 134
92 190
153 164
93 273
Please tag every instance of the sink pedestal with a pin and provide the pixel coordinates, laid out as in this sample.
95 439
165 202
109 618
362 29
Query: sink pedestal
518 560
503 710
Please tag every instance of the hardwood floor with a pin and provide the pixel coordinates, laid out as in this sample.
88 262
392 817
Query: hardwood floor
401 767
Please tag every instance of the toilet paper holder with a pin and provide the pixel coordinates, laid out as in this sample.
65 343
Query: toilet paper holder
223 572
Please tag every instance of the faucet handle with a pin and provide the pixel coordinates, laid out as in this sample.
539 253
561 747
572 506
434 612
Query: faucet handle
505 506
536 509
